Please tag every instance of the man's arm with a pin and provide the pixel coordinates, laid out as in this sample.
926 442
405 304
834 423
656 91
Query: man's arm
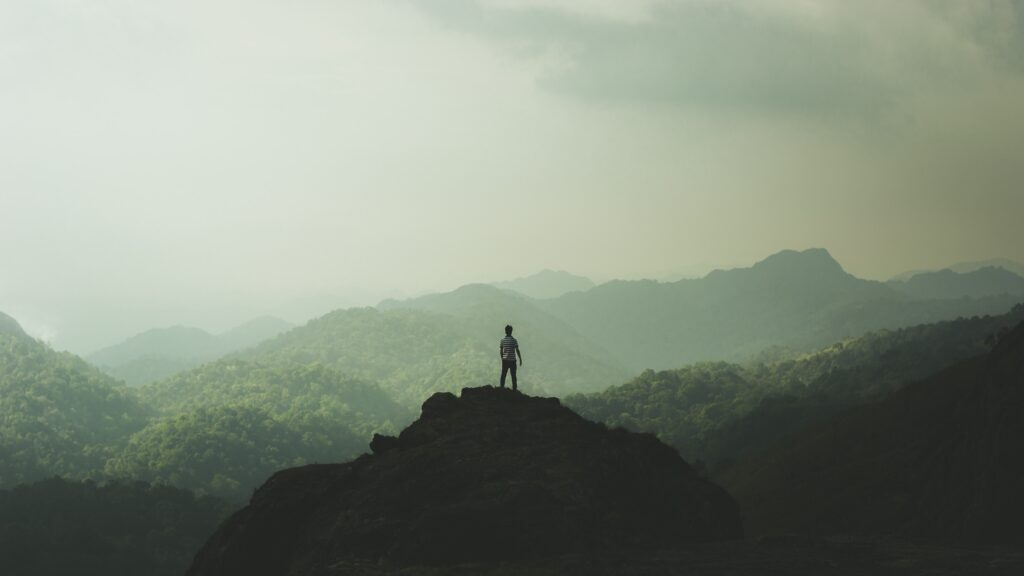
520 355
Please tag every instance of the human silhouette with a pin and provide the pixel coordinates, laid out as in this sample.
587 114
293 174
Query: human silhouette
508 349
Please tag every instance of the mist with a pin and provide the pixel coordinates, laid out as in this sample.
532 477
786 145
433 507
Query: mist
203 163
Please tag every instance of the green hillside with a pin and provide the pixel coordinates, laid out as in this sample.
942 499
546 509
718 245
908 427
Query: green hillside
230 450
412 353
225 426
285 390
220 429
717 411
58 414
938 459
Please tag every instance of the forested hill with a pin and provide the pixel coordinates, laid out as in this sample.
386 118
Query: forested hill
283 389
802 300
412 353
58 414
938 459
716 412
219 429
158 353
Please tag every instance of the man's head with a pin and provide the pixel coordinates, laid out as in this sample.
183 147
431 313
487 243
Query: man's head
508 330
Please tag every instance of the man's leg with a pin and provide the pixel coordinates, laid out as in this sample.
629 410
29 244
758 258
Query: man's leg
504 370
512 367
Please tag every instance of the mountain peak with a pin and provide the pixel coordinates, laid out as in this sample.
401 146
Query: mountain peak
802 262
547 284
492 475
10 327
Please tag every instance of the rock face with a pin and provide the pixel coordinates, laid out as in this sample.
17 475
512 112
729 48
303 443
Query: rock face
492 475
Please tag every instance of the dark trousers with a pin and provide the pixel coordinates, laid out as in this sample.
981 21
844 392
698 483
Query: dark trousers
506 366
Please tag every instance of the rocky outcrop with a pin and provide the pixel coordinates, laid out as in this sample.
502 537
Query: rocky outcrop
490 476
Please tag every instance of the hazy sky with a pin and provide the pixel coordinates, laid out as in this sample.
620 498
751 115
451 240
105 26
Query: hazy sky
200 162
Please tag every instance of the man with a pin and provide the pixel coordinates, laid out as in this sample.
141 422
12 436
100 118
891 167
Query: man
508 349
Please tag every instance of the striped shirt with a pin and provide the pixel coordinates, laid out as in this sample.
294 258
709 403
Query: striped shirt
508 348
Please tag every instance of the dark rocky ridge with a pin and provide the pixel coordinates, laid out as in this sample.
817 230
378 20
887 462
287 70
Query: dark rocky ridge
491 476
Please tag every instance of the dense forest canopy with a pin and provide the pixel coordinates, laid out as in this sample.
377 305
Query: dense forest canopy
220 429
230 450
58 415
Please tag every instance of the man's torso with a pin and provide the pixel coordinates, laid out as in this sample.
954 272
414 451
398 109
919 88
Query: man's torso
508 348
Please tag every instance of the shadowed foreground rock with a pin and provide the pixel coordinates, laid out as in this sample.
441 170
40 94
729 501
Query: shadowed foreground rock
491 476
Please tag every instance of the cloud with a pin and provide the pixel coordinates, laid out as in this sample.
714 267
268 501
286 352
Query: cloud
862 59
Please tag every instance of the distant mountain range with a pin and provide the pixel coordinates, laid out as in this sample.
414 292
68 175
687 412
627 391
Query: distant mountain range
590 336
161 352
978 283
964 267
802 300
547 284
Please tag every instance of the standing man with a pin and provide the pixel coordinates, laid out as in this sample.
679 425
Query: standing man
508 349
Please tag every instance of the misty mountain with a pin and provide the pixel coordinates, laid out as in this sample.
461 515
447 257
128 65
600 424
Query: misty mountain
451 339
947 284
161 352
939 458
58 414
172 342
1004 263
253 332
716 412
965 267
547 284
801 300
